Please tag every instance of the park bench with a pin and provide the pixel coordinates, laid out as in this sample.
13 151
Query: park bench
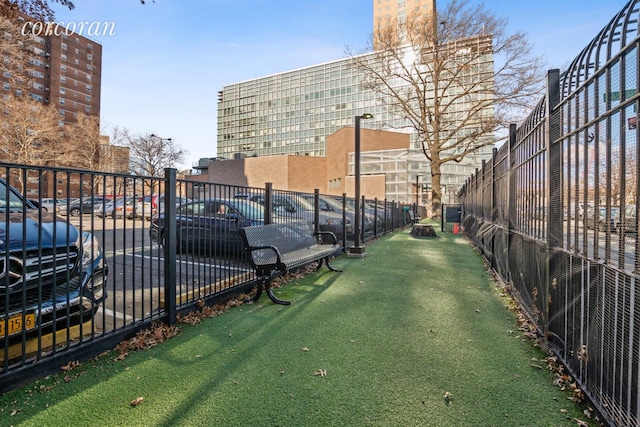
275 249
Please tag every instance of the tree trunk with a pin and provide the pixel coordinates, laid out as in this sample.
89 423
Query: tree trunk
436 192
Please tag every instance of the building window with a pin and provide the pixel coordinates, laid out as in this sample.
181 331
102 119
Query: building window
77 51
63 68
61 112
61 101
63 79
88 98
87 108
89 56
89 67
89 46
63 57
64 46
88 88
63 90
6 86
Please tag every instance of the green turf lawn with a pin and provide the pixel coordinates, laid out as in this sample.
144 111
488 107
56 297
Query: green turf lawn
380 344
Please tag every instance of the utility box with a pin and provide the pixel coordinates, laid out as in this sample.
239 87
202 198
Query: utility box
453 214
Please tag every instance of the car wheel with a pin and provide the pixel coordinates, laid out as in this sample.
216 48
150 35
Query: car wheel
74 212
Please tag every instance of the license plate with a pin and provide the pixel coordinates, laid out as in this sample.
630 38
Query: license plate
16 324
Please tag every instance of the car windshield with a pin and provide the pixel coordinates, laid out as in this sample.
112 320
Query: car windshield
10 198
249 210
300 202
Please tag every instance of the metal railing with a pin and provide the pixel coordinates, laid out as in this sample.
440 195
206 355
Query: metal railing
556 213
108 254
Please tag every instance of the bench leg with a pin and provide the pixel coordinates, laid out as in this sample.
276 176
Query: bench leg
274 298
256 297
266 283
329 266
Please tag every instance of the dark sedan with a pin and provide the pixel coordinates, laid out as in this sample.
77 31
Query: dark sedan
209 226
84 206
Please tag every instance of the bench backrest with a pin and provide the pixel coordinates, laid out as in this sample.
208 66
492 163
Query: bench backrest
286 237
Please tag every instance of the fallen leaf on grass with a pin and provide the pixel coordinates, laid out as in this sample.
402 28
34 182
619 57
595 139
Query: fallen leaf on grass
137 401
581 423
320 373
304 349
70 366
447 397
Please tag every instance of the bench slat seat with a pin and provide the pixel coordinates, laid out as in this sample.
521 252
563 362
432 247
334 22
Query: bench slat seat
275 249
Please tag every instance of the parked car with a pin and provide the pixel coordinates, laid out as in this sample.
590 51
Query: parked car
118 208
372 210
153 204
329 204
294 207
630 221
597 218
46 204
53 275
211 225
81 206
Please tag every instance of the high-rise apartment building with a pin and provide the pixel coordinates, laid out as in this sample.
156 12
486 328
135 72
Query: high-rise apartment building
64 69
386 12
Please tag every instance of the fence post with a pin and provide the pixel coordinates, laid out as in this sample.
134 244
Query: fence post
554 185
375 217
554 161
511 196
316 211
268 202
344 222
170 245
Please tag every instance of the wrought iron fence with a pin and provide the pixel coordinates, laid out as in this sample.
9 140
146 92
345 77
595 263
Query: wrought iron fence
87 259
556 213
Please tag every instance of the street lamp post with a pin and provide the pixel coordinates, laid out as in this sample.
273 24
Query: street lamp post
162 140
415 216
357 250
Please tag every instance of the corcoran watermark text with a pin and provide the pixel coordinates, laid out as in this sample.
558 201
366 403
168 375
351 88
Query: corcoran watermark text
82 28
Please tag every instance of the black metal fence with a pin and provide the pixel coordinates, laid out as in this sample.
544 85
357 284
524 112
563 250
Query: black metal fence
106 255
556 213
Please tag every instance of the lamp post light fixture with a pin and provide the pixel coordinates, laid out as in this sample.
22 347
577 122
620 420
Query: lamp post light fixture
357 250
160 138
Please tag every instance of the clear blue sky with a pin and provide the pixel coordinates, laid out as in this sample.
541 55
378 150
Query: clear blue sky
166 61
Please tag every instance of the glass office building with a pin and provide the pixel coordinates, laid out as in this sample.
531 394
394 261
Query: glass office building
294 112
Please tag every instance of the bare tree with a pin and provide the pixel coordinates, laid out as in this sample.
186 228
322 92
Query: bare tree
455 77
30 129
84 145
149 154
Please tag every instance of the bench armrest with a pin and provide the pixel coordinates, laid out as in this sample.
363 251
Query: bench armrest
273 248
328 233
